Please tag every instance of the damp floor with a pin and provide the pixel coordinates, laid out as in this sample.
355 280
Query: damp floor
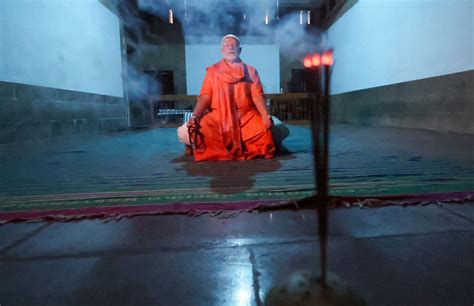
395 255
416 255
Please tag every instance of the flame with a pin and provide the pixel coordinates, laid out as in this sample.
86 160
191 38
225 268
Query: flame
316 60
308 63
327 58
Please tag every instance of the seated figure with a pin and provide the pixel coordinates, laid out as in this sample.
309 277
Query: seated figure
231 120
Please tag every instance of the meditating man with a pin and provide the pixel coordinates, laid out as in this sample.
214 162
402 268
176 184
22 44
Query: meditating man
230 120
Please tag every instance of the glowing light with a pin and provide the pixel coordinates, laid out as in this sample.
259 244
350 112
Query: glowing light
309 17
308 63
266 17
244 16
170 16
316 60
301 17
237 242
241 292
327 58
243 297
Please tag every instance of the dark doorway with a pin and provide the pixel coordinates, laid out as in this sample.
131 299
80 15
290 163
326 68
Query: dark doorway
163 84
141 110
297 82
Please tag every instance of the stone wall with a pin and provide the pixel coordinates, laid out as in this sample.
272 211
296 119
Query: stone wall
30 112
443 103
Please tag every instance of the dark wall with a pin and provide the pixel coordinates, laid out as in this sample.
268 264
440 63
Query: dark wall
170 57
30 112
443 103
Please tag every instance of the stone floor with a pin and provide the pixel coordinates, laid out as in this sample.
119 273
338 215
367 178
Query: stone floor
417 255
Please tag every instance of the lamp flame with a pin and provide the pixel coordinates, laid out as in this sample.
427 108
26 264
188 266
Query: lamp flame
316 60
327 58
307 62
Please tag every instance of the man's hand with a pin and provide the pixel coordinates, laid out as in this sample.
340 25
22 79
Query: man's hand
267 122
261 106
192 121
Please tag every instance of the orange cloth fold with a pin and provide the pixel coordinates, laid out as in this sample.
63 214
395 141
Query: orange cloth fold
233 128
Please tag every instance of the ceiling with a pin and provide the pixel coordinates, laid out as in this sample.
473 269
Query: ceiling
154 10
141 8
142 17
237 3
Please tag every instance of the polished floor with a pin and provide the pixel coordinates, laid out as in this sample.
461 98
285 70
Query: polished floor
416 255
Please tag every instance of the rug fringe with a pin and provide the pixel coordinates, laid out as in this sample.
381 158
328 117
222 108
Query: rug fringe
231 209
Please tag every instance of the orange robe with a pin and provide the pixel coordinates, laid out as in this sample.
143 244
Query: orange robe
233 128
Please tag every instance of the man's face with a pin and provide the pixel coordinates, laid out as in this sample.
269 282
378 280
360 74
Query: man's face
230 49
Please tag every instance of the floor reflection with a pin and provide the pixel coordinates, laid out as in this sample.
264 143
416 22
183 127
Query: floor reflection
227 177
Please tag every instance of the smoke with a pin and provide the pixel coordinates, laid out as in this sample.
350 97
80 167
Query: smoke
193 20
294 39
140 85
155 8
247 18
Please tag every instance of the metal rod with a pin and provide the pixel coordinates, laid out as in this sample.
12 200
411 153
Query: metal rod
323 182
319 134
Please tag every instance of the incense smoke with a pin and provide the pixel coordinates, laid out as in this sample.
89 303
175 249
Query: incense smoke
205 18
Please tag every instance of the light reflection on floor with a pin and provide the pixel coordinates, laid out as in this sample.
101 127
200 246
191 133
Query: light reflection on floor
242 295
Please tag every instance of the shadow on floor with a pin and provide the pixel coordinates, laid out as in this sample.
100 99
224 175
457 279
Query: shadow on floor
231 176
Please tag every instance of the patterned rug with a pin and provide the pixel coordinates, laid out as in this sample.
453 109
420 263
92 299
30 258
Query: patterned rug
145 172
